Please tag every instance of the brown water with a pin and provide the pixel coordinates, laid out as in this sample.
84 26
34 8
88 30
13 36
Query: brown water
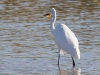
26 43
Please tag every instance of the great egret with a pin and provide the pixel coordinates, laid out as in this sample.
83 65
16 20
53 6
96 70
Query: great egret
64 38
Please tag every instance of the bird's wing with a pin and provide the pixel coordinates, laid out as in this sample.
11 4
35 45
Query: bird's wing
67 40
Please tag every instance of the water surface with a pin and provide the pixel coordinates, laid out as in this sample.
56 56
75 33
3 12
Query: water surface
26 43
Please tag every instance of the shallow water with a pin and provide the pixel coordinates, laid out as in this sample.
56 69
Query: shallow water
26 43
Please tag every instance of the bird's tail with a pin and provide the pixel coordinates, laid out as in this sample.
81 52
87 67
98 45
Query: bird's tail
77 54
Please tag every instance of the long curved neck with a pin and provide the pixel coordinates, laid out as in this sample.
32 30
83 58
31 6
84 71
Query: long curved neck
53 20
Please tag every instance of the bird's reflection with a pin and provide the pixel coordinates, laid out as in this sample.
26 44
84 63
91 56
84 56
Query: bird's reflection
73 71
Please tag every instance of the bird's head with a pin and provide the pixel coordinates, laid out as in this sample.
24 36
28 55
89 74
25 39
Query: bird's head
48 15
52 13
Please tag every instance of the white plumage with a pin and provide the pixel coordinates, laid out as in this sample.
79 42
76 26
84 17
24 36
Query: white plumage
66 40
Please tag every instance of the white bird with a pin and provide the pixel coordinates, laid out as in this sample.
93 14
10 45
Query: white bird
64 38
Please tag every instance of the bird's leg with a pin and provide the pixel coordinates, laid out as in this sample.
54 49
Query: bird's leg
73 62
59 55
58 58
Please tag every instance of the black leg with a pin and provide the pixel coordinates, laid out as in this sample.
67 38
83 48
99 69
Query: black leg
58 58
73 62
